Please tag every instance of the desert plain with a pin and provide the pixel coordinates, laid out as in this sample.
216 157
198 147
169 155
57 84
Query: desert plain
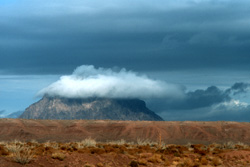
106 143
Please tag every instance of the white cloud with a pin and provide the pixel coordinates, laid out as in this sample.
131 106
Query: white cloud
233 104
233 110
88 81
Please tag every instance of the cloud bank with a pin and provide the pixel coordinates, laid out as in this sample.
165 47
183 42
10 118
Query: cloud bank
88 81
210 104
167 35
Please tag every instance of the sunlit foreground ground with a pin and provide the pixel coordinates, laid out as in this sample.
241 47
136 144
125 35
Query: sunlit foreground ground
89 153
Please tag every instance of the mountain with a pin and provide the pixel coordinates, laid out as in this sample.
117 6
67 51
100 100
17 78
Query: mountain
11 115
14 114
89 108
1 113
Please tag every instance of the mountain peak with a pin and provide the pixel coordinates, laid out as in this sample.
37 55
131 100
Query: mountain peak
90 108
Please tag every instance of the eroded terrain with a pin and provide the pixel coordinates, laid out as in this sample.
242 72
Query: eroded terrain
171 132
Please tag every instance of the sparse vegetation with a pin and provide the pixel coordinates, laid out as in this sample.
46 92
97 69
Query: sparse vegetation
88 142
23 156
216 161
20 152
204 161
134 164
3 151
145 142
141 153
58 155
118 142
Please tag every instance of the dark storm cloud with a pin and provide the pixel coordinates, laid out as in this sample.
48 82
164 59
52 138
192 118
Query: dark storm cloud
239 87
227 112
196 99
206 104
205 98
55 37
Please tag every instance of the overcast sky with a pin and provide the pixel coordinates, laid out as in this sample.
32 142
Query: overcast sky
200 46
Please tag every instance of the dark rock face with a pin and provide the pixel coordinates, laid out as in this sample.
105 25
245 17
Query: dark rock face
90 108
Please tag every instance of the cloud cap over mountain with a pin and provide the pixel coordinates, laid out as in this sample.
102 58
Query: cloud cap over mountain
88 81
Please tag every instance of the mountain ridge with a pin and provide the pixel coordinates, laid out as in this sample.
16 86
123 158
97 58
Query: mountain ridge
89 108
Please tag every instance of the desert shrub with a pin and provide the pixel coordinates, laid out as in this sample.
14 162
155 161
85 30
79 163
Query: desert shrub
200 149
217 151
117 142
188 163
177 159
70 148
145 148
156 158
142 161
49 150
63 147
3 143
232 145
3 151
17 142
54 145
176 154
144 142
174 149
134 164
99 164
204 161
40 150
167 163
109 148
13 147
97 151
88 142
34 141
23 155
188 145
241 145
47 144
229 145
59 156
88 165
163 158
216 161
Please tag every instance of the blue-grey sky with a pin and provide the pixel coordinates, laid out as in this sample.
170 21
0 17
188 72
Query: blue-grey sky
199 45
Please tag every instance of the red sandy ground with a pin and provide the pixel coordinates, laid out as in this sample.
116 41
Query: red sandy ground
106 155
171 132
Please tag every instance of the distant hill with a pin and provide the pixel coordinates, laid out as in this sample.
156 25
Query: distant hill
14 114
11 115
90 108
172 132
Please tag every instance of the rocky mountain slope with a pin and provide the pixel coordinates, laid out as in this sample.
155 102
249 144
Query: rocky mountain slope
90 108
